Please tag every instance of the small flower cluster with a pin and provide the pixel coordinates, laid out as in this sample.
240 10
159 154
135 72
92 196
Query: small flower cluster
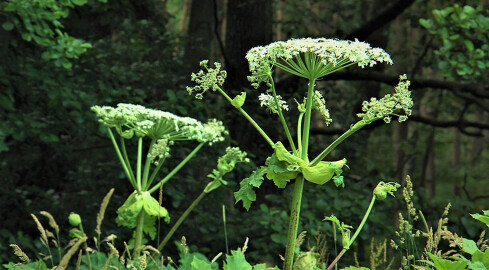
319 104
207 79
160 151
268 101
389 104
227 162
213 131
130 120
332 53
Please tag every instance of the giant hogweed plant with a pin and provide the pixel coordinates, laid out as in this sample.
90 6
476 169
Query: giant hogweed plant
310 59
156 132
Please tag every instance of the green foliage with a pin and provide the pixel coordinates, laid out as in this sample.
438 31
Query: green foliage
41 22
479 253
462 31
135 203
246 194
443 264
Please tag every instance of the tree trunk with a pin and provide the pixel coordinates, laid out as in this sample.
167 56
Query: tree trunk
456 161
429 166
248 24
200 31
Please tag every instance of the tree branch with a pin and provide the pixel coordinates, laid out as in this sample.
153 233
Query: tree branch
383 18
461 124
478 90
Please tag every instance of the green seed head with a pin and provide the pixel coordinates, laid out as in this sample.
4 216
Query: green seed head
74 219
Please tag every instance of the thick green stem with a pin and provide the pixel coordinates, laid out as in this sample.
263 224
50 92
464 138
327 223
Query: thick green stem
147 165
180 220
360 227
121 159
336 142
155 171
299 133
177 168
294 222
282 118
138 165
307 120
248 117
299 184
126 159
139 234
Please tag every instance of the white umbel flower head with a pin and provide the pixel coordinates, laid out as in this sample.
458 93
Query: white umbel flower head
130 119
311 58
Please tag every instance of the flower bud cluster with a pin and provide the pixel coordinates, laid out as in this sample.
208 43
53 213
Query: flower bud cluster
160 150
268 101
319 104
227 162
390 104
207 79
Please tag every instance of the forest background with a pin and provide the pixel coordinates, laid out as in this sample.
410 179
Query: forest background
59 58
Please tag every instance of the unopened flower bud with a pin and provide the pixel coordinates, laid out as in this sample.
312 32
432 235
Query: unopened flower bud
74 219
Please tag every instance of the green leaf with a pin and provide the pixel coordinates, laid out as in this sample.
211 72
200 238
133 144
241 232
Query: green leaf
469 45
323 171
482 218
261 266
443 264
428 24
76 233
355 268
79 2
239 100
284 155
478 256
236 261
199 264
127 214
477 266
246 194
278 171
8 26
333 219
66 63
469 246
153 208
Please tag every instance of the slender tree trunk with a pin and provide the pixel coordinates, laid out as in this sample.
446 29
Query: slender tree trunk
200 31
185 14
428 172
456 161
248 24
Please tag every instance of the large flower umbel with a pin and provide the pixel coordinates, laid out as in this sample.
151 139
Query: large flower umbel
311 58
130 120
